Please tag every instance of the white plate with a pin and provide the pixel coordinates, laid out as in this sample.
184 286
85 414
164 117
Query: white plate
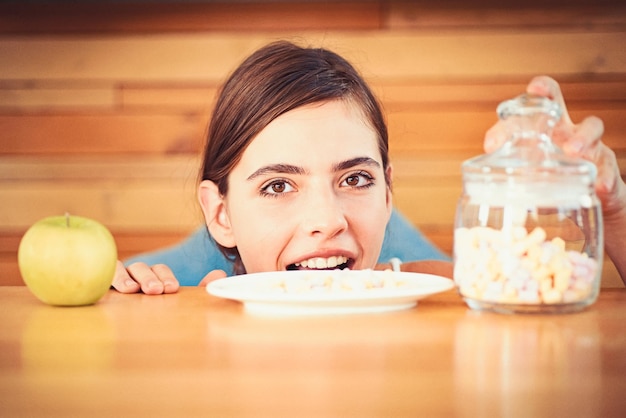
309 292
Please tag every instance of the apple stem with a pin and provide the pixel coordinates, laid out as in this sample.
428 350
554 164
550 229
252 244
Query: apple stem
67 219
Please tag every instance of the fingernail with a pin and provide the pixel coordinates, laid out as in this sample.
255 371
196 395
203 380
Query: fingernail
543 83
573 146
153 284
608 184
540 84
494 142
489 141
130 283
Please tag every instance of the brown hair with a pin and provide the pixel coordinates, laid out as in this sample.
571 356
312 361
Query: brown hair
272 81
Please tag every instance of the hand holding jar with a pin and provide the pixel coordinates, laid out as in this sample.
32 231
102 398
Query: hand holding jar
582 140
529 225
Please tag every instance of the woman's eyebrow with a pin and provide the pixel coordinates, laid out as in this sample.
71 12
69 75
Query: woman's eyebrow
292 169
277 169
353 162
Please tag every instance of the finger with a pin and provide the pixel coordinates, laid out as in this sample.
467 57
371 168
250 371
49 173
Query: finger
548 87
166 276
609 176
585 138
541 86
122 282
146 277
495 137
213 275
544 86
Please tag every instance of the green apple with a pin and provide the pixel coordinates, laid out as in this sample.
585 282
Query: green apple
67 260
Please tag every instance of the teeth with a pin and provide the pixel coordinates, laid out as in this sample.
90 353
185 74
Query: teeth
323 263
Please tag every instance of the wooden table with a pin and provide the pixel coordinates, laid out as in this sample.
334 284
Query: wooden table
191 354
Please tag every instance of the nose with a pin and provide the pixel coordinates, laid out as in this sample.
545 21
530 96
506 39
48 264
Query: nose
323 214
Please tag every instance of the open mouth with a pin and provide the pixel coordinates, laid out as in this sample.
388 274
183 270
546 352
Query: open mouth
323 263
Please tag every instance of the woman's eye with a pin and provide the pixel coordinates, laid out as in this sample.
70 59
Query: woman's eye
358 180
277 187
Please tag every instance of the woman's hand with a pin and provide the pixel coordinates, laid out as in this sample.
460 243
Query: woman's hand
139 277
153 280
213 275
584 140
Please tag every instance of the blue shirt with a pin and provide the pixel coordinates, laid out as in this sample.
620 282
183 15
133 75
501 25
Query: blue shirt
198 254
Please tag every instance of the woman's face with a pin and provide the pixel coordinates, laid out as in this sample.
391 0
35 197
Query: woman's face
310 192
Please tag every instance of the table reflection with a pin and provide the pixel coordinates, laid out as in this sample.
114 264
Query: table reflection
510 366
377 364
194 355
57 339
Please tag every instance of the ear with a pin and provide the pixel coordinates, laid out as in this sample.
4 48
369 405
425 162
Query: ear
215 214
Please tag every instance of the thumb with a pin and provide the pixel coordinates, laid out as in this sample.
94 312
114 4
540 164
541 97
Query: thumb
213 275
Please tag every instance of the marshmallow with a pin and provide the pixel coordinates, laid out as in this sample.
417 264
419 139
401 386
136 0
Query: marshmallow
516 266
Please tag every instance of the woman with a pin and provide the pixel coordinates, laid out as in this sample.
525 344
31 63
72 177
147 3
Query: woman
296 171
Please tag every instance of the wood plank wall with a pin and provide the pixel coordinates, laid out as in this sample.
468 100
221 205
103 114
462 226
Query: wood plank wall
103 105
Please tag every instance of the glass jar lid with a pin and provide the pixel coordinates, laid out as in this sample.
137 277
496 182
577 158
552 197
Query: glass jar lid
529 151
529 166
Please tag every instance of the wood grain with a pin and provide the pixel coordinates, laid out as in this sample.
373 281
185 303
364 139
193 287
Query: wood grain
210 57
104 106
203 356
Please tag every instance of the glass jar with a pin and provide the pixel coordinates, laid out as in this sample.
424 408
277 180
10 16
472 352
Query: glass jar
528 227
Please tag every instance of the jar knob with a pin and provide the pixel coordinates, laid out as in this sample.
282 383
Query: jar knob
530 115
